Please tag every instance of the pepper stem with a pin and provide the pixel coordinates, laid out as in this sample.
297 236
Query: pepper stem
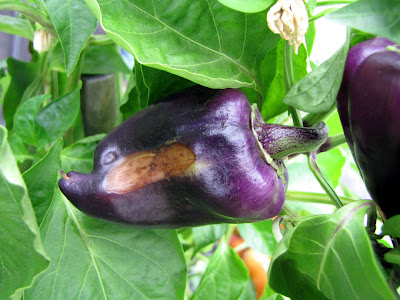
281 141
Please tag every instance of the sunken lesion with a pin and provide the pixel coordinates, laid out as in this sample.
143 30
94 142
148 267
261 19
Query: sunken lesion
140 169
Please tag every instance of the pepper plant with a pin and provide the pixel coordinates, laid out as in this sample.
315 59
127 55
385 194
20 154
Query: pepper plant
328 242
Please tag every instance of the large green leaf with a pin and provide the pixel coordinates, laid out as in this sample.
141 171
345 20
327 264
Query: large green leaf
202 41
150 85
74 24
226 276
16 26
93 259
331 254
79 156
379 17
22 256
41 180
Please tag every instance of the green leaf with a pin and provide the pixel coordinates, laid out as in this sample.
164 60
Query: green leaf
332 254
249 293
393 256
59 115
42 178
202 41
25 124
151 85
226 276
74 24
57 61
392 226
22 256
331 164
317 91
18 147
273 79
379 17
258 236
79 156
93 259
274 297
22 75
206 235
270 294
358 36
247 6
103 59
16 26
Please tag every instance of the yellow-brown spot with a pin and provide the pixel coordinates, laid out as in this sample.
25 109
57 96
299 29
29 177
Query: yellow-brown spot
140 169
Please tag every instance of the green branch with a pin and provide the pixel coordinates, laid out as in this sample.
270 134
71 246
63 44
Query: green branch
332 142
31 12
312 162
318 198
290 80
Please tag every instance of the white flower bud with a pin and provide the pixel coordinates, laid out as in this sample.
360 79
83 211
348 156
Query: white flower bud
289 19
42 41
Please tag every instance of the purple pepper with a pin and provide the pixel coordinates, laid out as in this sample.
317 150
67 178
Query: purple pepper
355 57
370 115
198 157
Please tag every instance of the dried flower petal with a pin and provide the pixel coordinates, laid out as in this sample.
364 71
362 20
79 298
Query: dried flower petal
42 41
289 19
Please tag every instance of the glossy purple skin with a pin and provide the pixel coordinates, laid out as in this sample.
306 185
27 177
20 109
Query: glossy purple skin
375 127
232 183
355 57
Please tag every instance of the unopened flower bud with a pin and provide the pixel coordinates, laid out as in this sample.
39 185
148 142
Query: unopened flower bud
42 41
289 19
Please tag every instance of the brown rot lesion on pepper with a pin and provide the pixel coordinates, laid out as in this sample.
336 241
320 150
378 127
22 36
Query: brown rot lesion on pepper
139 169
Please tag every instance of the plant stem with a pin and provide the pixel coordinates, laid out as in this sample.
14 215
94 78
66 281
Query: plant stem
319 198
313 118
290 80
288 211
334 2
321 14
276 228
31 12
332 142
100 40
312 162
288 65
